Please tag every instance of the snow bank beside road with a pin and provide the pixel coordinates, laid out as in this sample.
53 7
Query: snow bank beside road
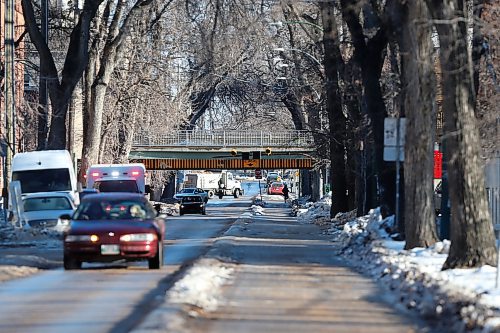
457 300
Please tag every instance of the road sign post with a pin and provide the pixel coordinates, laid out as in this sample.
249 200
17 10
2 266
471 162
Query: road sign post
394 143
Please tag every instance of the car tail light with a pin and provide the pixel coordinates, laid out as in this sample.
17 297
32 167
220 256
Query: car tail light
95 174
135 173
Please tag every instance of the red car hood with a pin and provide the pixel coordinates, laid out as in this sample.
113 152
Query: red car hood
119 227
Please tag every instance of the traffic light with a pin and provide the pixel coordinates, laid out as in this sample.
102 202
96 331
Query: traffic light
234 152
268 151
245 155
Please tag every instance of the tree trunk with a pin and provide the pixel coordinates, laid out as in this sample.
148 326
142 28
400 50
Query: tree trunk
418 83
471 232
477 42
119 30
126 135
57 134
60 92
336 116
370 56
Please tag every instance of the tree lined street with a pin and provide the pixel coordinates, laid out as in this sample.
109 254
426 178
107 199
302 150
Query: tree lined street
310 92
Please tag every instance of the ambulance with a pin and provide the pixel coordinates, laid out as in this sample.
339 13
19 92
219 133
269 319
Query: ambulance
129 177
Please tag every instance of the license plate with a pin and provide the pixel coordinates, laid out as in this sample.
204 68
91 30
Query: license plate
110 249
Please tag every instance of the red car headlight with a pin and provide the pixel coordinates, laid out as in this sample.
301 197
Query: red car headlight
146 237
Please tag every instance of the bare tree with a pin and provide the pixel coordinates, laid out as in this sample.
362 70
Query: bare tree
121 19
411 24
472 238
337 118
61 89
370 42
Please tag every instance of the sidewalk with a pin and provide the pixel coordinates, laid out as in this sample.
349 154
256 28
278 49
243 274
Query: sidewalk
284 277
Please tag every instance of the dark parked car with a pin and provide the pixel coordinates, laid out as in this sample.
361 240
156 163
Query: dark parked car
192 204
110 226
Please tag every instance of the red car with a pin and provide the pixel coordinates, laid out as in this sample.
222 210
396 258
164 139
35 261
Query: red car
110 226
276 188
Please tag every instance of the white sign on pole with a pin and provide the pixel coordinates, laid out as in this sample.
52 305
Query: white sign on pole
390 131
390 138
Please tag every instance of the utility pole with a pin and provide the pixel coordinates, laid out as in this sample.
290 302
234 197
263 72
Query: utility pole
9 93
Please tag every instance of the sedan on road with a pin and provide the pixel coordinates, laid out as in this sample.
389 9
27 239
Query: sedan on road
192 204
42 209
111 226
276 188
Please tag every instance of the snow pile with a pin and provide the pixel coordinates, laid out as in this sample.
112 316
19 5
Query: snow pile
316 212
459 299
201 285
12 272
362 229
26 236
257 210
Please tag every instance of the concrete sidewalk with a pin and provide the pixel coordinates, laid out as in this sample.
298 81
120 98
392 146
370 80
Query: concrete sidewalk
287 278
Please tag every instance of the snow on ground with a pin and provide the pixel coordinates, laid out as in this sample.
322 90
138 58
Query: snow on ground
11 266
200 286
459 299
8 272
317 212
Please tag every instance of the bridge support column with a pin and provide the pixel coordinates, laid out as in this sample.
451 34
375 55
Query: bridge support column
305 183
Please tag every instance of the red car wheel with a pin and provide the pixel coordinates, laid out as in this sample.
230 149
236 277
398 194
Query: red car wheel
157 261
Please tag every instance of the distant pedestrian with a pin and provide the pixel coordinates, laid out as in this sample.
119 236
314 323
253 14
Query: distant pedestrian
285 192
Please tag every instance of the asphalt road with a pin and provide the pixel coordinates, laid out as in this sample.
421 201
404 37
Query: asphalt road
105 297
288 277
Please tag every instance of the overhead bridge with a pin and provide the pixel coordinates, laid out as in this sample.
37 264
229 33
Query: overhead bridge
201 150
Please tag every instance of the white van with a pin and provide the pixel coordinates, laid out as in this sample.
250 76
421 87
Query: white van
45 171
129 177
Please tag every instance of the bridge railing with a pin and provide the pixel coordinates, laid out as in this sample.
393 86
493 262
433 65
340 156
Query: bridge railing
225 139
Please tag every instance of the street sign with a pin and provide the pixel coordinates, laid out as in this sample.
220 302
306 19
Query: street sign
251 163
390 131
391 143
258 174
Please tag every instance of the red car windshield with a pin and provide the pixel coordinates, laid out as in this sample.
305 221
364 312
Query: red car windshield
114 210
